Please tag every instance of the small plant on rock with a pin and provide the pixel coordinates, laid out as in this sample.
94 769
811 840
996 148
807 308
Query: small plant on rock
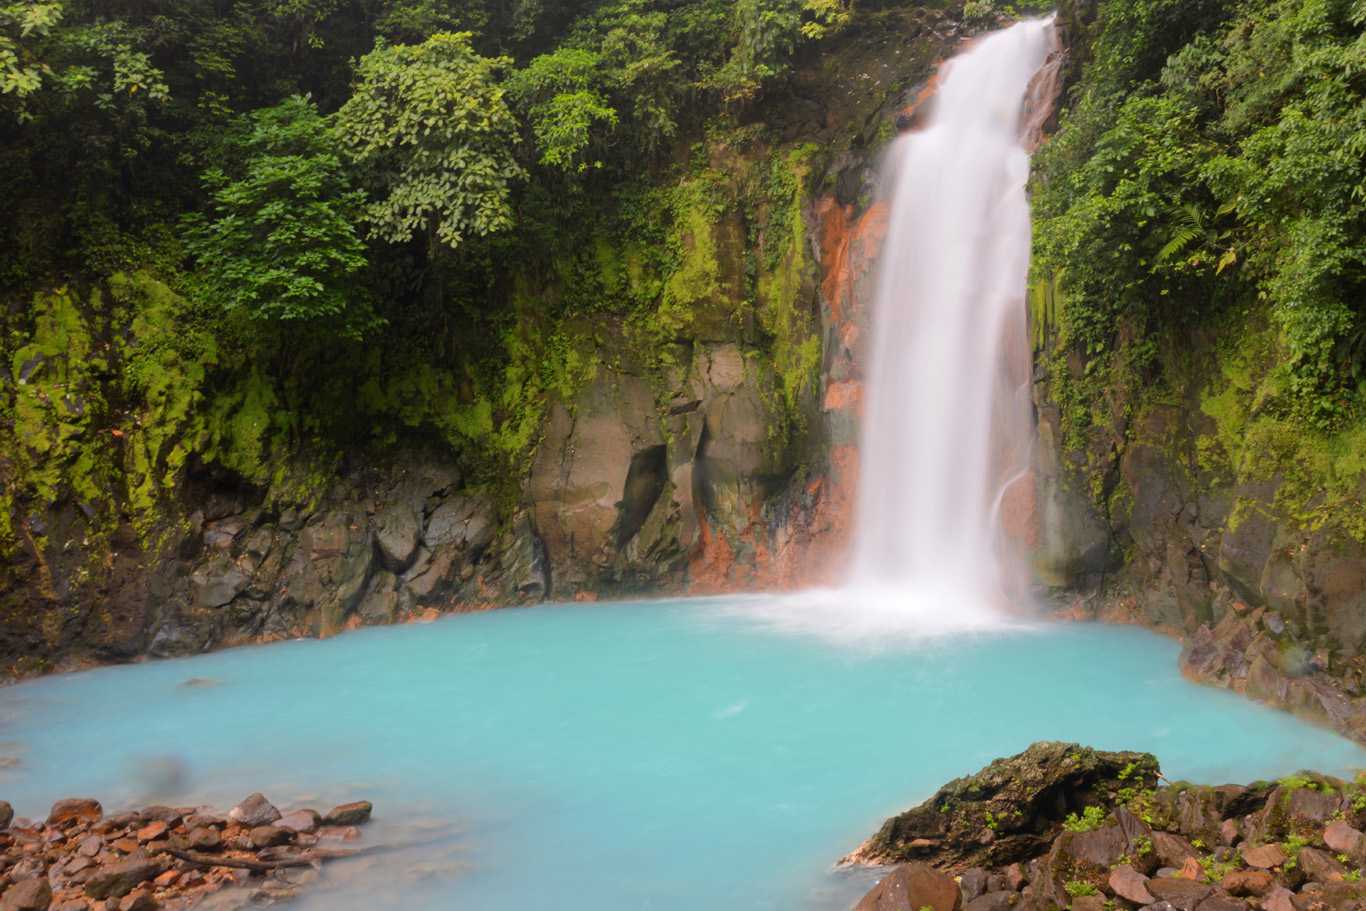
1077 890
1292 847
1090 818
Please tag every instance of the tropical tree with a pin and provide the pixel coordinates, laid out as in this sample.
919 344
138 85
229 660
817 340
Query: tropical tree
430 129
280 245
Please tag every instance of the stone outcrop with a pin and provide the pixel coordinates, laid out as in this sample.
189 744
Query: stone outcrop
1010 810
1294 844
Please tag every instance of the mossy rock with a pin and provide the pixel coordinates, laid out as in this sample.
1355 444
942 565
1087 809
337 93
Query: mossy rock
1011 810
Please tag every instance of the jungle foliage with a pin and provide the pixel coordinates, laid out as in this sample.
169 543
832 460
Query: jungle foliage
296 229
1210 169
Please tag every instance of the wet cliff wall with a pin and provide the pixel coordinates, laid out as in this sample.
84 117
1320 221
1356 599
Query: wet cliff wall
1199 454
160 499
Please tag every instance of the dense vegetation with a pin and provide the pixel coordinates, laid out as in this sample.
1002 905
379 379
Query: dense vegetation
1200 221
236 230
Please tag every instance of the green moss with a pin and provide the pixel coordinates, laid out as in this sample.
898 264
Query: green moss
1258 438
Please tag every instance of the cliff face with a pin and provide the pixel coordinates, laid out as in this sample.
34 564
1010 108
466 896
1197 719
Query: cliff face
1194 473
704 444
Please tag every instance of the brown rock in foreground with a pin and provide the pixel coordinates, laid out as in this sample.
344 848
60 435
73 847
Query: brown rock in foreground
349 814
1288 845
159 859
913 887
1009 811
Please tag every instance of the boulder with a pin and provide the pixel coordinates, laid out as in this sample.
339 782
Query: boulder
75 810
218 581
1172 850
139 901
152 831
301 821
1129 884
254 811
1263 857
119 879
1248 883
29 895
912 887
349 814
6 814
1020 802
1091 855
1340 837
1182 894
204 838
271 836
397 534
1320 866
973 882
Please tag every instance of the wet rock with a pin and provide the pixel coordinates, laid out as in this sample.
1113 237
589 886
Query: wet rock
29 895
301 821
75 809
119 879
254 811
1248 883
271 836
1026 796
397 534
912 887
349 814
1221 902
218 581
1129 884
139 901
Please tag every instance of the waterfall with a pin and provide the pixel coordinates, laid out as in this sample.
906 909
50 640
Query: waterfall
947 422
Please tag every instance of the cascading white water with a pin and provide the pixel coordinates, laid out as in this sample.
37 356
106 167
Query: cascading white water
947 419
947 422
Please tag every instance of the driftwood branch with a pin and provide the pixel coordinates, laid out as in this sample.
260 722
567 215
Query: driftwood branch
314 857
254 866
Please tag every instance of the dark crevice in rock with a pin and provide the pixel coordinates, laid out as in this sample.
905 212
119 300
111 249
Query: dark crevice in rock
645 481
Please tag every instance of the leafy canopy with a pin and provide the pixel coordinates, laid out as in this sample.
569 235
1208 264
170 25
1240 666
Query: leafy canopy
429 126
280 246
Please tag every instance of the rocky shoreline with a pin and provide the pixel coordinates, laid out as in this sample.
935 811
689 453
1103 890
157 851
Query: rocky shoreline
1064 826
164 858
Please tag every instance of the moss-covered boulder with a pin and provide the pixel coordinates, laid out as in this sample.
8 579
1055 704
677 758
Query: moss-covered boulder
1011 810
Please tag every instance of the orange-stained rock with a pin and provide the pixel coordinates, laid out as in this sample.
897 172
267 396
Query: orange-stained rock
152 831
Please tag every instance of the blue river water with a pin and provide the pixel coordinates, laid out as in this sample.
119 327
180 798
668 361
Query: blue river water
680 754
